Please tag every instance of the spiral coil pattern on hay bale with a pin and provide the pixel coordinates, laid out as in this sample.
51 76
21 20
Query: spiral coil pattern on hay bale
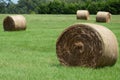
87 45
14 23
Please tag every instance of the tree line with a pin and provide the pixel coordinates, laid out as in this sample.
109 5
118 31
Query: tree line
58 6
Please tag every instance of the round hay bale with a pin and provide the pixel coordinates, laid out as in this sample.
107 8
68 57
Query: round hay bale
103 17
87 45
14 23
83 14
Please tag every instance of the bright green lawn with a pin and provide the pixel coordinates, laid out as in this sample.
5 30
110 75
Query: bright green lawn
31 54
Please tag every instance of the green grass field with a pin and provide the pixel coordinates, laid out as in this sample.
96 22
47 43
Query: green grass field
31 54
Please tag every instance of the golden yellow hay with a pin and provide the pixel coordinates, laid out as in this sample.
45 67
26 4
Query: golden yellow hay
87 45
82 14
14 23
103 16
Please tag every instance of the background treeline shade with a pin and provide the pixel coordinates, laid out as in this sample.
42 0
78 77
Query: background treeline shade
59 6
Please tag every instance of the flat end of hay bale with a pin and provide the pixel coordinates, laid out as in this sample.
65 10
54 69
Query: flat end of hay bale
8 24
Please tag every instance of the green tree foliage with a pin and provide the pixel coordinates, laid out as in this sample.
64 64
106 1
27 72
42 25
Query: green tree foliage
43 8
113 6
59 6
28 6
94 7
2 6
11 7
56 7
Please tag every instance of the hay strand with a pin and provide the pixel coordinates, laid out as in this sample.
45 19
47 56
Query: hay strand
83 14
14 23
87 45
103 16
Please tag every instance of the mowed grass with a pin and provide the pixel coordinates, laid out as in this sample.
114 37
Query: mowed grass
31 54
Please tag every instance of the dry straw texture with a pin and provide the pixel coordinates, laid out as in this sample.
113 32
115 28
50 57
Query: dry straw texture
87 45
83 14
103 16
14 23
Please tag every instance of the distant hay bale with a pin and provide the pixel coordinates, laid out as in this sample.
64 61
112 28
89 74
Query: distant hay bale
14 23
87 45
103 16
82 14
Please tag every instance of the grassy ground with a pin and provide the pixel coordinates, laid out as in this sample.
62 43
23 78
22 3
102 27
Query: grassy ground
31 55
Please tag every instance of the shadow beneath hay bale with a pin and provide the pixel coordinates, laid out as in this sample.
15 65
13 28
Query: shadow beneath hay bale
81 67
57 65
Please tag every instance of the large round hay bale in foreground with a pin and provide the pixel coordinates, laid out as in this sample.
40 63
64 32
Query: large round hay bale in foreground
14 23
87 45
82 14
103 16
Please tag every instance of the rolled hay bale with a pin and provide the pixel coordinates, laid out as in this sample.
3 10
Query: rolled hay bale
14 23
87 45
83 14
103 16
